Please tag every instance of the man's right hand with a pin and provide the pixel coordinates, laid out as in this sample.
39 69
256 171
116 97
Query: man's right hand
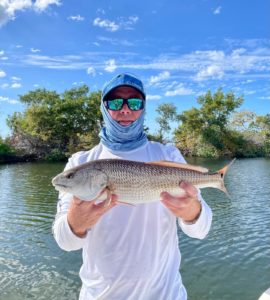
82 215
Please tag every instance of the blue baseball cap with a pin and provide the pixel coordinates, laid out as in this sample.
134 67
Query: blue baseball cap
123 79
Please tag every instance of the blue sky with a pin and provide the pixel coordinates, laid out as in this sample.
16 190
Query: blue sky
180 49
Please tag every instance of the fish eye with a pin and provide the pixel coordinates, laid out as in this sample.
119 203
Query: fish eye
70 175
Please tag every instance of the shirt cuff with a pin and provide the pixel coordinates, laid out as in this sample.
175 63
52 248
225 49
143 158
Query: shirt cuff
201 227
65 237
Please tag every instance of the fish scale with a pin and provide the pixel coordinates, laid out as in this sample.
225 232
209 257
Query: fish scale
135 182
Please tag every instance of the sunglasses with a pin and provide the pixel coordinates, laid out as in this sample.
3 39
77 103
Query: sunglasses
118 103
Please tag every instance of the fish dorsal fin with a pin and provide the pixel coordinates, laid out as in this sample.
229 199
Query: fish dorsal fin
166 163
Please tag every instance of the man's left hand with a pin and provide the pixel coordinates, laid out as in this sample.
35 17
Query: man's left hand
186 206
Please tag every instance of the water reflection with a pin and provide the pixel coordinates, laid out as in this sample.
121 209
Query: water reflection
31 264
234 260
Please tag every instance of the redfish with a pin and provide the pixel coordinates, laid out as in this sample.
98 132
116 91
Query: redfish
135 182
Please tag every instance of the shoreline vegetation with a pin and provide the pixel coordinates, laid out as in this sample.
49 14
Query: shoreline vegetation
53 126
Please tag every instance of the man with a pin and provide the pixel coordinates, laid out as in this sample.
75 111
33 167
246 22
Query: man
129 252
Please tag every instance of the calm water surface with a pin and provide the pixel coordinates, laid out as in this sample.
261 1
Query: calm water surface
232 263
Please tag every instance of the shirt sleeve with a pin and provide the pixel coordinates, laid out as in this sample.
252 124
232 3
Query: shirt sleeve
201 227
62 232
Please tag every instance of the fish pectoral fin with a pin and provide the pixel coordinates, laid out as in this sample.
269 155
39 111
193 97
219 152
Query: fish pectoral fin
126 203
109 197
166 163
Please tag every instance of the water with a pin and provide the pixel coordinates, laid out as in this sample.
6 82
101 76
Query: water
31 264
233 262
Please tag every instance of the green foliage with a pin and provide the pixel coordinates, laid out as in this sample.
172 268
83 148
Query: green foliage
267 148
56 122
215 111
152 137
216 108
7 152
191 144
207 150
215 129
55 155
5 149
262 126
155 138
55 125
192 121
243 120
255 132
204 130
166 114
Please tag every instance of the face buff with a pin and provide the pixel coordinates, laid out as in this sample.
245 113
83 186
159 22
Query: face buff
124 138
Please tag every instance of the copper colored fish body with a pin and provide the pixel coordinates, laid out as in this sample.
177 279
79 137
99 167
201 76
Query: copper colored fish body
134 182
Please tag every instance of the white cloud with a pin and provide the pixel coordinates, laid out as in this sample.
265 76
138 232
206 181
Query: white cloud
41 5
56 62
161 76
78 83
8 8
112 26
8 100
2 74
16 85
34 50
248 43
91 71
212 55
113 41
265 97
4 86
247 81
153 97
2 52
249 92
110 65
198 65
180 90
107 24
217 10
133 19
77 18
212 71
101 11
237 52
13 101
14 78
128 24
171 85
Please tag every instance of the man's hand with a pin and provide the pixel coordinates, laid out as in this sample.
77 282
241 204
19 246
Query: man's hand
187 206
82 215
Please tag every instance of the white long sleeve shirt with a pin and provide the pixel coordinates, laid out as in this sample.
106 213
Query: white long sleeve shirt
132 252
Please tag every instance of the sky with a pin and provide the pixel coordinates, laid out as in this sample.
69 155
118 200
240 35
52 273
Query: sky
179 48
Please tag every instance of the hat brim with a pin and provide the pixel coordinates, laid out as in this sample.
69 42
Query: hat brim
115 87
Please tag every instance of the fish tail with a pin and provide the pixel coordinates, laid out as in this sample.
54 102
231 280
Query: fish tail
222 172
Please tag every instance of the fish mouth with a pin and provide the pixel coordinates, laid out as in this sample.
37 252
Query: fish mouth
59 186
62 185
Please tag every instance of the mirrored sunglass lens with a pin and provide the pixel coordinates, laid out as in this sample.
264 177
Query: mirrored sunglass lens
135 103
115 104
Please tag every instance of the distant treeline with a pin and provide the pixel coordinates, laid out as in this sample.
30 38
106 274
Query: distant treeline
53 126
